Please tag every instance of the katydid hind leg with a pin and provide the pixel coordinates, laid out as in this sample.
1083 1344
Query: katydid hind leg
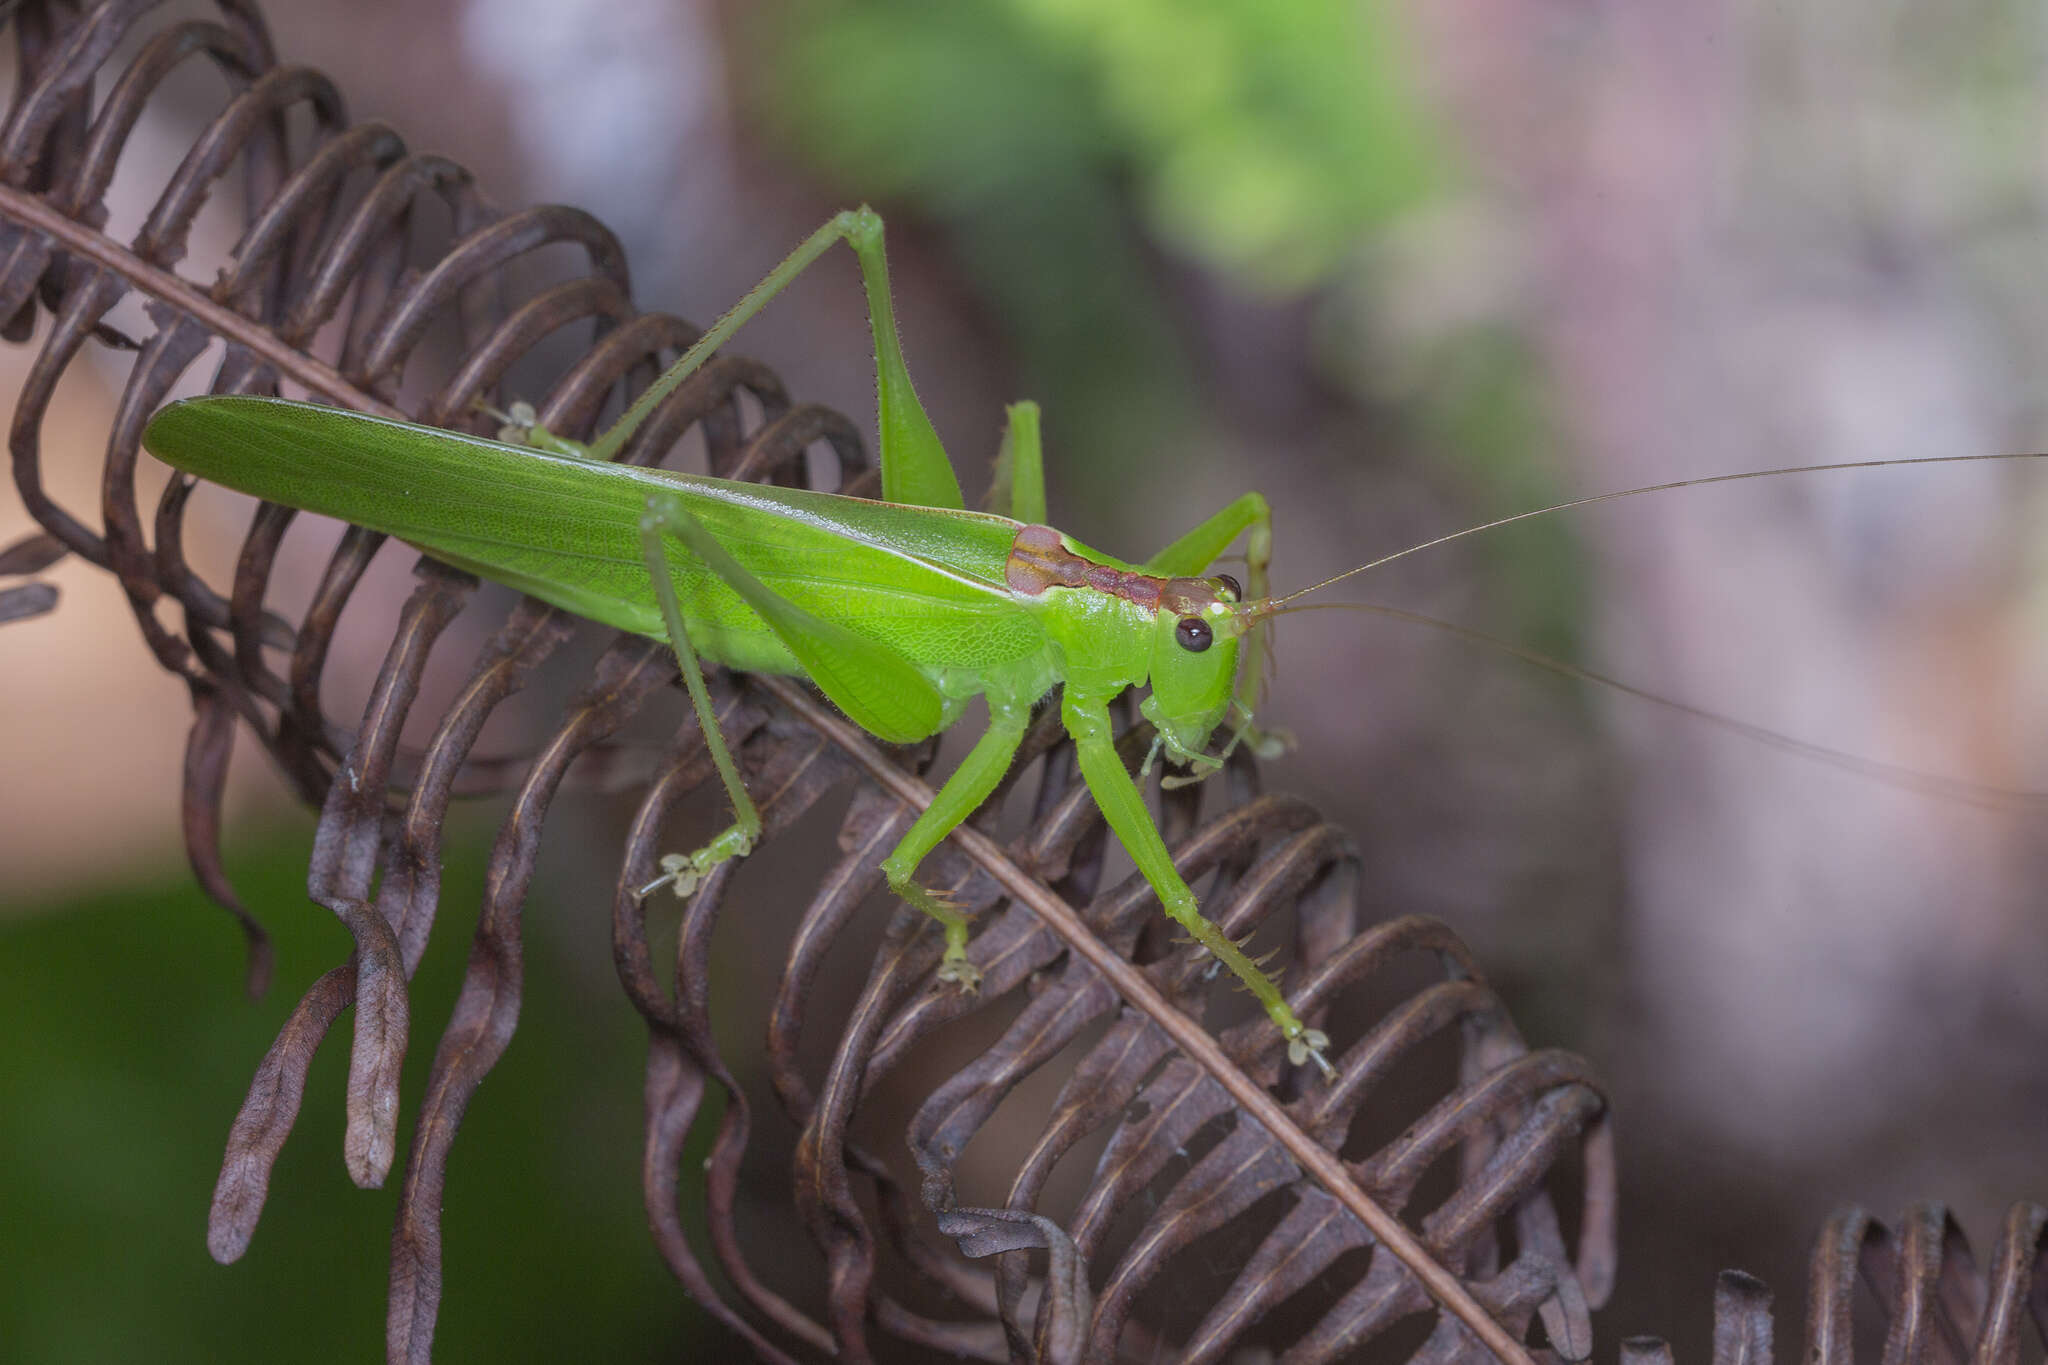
915 468
684 871
1123 806
971 783
879 688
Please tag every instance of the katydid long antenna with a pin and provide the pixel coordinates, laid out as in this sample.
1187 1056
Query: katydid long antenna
1260 614
1271 606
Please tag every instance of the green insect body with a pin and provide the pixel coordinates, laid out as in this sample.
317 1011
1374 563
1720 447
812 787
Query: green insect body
899 610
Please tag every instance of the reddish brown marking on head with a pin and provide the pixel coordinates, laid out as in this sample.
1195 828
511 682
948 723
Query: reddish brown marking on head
1039 559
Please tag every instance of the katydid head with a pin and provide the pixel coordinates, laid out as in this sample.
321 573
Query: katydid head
1194 663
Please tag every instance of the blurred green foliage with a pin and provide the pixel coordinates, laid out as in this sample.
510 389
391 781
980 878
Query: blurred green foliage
1261 139
1059 141
131 1045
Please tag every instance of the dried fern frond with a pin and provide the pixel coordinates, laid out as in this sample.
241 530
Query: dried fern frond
1921 1278
1199 1161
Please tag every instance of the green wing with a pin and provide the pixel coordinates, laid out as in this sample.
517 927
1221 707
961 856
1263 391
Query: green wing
926 582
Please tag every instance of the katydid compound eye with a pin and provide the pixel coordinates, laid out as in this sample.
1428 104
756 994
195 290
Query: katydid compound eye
1194 634
1236 589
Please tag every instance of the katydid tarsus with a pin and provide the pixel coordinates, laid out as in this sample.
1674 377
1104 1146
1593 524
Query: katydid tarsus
899 610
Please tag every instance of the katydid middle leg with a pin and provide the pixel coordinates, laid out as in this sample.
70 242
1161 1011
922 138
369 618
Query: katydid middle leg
817 642
963 792
881 690
1087 721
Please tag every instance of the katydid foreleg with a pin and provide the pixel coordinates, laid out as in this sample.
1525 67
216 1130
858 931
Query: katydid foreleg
1123 806
1251 516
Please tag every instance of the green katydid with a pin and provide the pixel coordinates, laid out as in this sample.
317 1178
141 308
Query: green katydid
899 610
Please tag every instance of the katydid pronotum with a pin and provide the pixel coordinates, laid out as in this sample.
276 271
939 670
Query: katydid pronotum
899 610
